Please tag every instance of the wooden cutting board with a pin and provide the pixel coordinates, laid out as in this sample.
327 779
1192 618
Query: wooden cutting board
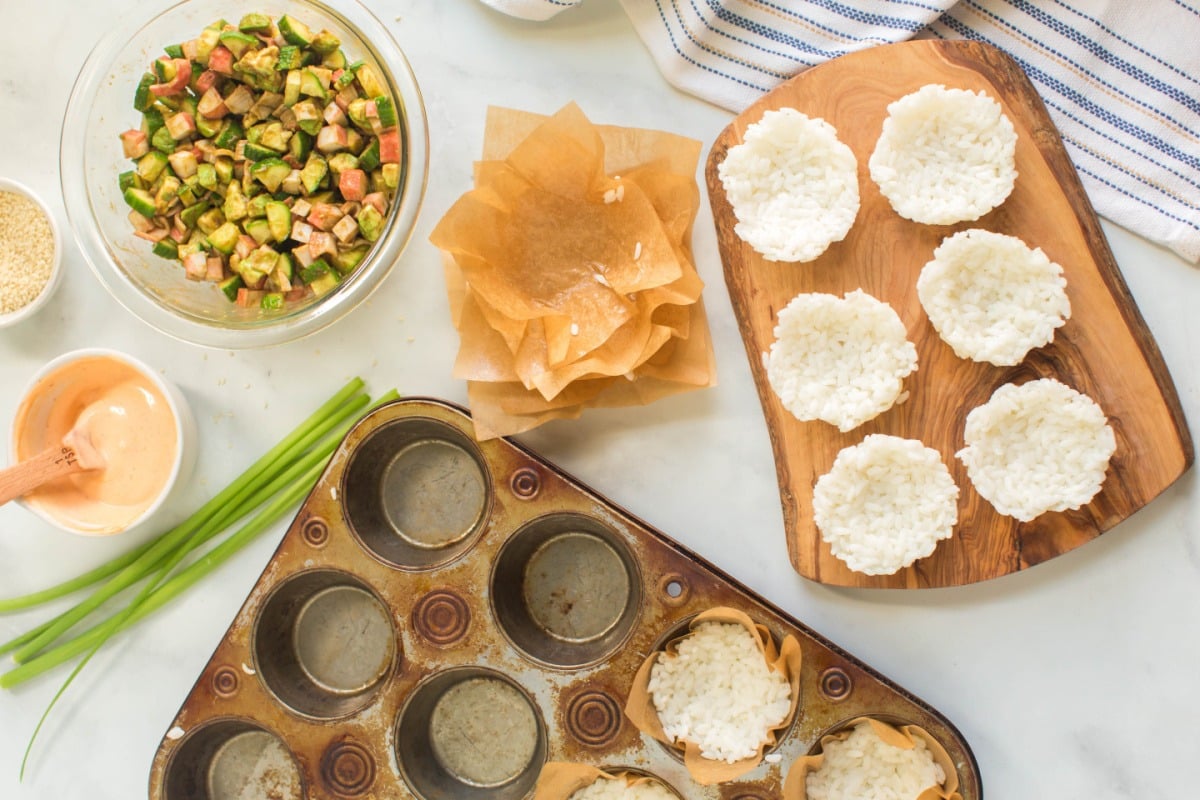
1105 350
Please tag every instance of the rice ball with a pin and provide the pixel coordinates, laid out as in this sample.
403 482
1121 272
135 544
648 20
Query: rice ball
621 789
841 360
945 155
718 691
886 502
862 765
792 184
1037 447
992 298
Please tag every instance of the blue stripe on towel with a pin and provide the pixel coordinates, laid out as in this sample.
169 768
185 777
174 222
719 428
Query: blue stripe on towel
1105 55
1040 76
701 45
1157 208
747 42
694 62
1130 44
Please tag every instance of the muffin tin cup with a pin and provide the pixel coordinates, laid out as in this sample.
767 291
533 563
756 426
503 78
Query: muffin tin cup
784 658
560 780
231 758
444 617
897 735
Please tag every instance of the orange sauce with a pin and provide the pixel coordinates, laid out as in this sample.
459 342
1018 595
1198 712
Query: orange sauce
128 421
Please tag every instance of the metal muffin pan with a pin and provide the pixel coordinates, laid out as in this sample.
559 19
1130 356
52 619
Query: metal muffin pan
444 616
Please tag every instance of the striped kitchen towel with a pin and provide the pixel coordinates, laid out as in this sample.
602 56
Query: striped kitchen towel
1121 78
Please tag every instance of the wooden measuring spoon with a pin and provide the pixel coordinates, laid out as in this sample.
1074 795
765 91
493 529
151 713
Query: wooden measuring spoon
75 454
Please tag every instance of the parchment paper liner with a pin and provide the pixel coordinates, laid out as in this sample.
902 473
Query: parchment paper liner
523 364
639 708
795 787
559 780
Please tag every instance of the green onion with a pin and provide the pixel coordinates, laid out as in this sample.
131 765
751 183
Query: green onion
216 508
276 488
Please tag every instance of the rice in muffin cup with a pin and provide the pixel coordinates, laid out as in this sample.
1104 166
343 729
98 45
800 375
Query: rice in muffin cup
560 780
782 660
904 738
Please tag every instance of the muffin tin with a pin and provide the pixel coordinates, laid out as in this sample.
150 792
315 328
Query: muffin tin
444 616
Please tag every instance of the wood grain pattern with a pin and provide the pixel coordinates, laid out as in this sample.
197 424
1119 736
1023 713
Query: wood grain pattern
1104 350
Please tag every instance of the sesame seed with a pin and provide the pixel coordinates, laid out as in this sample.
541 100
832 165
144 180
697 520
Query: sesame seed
26 251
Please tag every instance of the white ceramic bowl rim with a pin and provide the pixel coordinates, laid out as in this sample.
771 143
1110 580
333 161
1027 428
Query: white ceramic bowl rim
28 310
169 392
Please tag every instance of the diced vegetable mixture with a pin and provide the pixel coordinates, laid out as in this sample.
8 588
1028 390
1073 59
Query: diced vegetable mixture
266 162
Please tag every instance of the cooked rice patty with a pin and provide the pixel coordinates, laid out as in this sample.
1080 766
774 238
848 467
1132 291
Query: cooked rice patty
792 184
841 360
1037 447
619 789
991 298
886 502
719 692
862 765
945 155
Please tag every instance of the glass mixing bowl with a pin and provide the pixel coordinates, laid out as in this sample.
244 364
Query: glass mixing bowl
156 289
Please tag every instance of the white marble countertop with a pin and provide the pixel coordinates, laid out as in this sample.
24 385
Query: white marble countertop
1074 679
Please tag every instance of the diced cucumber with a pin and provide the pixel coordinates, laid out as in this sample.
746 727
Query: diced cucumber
311 85
341 162
372 85
206 127
256 266
270 172
334 60
259 230
289 58
347 77
369 159
126 179
152 120
255 132
231 131
300 145
234 208
280 218
313 173
229 287
225 238
237 42
347 260
294 31
391 176
210 220
167 248
224 167
308 117
192 214
291 88
325 284
255 23
206 42
271 301
314 270
357 112
206 176
151 165
387 111
325 43
275 137
174 50
168 188
370 222
163 141
140 201
254 152
188 192
257 207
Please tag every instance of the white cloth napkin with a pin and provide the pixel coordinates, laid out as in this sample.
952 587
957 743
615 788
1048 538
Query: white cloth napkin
1121 78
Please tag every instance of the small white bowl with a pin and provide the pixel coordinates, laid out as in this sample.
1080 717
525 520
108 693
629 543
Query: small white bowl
32 308
185 433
